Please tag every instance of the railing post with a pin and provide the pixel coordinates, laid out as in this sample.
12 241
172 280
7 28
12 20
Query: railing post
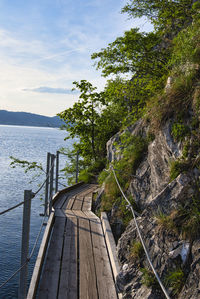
51 182
57 170
47 184
25 243
77 157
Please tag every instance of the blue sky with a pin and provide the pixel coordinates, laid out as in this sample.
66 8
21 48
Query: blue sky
45 45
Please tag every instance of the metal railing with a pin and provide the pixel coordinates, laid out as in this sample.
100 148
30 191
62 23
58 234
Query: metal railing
49 183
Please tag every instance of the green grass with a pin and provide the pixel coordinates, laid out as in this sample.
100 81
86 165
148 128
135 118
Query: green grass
188 219
136 250
180 131
177 167
165 221
175 279
148 278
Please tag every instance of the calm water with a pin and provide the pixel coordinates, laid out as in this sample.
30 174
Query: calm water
32 144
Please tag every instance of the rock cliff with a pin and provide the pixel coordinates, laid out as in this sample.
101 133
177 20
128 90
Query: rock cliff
168 221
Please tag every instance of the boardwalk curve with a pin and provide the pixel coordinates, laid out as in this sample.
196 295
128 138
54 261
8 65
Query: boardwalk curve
77 263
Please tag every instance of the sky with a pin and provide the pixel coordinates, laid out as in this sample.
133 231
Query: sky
45 45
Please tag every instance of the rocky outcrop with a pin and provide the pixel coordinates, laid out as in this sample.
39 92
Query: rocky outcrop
165 247
152 190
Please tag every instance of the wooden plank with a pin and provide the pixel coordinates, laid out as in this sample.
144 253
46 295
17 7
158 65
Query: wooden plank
68 277
69 213
110 244
79 214
77 205
71 194
60 200
105 282
69 204
87 191
76 187
40 258
50 277
90 215
87 203
59 213
87 277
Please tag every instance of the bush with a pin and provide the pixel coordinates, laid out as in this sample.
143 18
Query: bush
165 221
175 279
188 219
148 278
102 176
186 47
86 176
136 250
134 150
180 131
177 167
124 213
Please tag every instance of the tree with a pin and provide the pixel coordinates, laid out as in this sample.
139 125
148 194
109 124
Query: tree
134 53
81 119
165 15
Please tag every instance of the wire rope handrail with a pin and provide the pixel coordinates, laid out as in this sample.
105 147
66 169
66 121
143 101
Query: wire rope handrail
28 196
34 193
29 257
140 236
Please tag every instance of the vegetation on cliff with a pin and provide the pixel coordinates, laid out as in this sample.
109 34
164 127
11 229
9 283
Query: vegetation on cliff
138 65
155 77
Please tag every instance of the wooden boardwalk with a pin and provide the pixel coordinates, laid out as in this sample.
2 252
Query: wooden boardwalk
77 263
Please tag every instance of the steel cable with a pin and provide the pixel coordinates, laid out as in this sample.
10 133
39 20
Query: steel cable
140 236
34 193
28 258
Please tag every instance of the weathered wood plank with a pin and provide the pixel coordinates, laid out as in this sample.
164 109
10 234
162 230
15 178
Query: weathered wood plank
72 194
111 245
90 215
88 289
105 282
50 277
79 214
69 213
68 276
69 204
59 213
77 205
87 203
60 201
40 258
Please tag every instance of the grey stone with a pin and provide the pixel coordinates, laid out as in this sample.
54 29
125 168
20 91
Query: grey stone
151 188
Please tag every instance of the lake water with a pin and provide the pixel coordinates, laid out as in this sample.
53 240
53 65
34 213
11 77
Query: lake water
25 143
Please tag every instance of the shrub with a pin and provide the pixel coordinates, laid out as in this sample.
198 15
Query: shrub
186 46
111 193
124 213
148 278
134 149
180 131
165 221
188 219
102 176
177 167
136 250
86 176
97 166
175 279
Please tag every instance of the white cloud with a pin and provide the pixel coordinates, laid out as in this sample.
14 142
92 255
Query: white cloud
45 64
46 89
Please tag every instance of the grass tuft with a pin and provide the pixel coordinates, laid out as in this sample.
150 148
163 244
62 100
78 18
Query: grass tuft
175 279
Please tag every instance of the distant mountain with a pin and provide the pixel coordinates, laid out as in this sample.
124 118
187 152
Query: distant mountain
28 119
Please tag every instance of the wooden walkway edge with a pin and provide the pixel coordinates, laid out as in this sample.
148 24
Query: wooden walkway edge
78 260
